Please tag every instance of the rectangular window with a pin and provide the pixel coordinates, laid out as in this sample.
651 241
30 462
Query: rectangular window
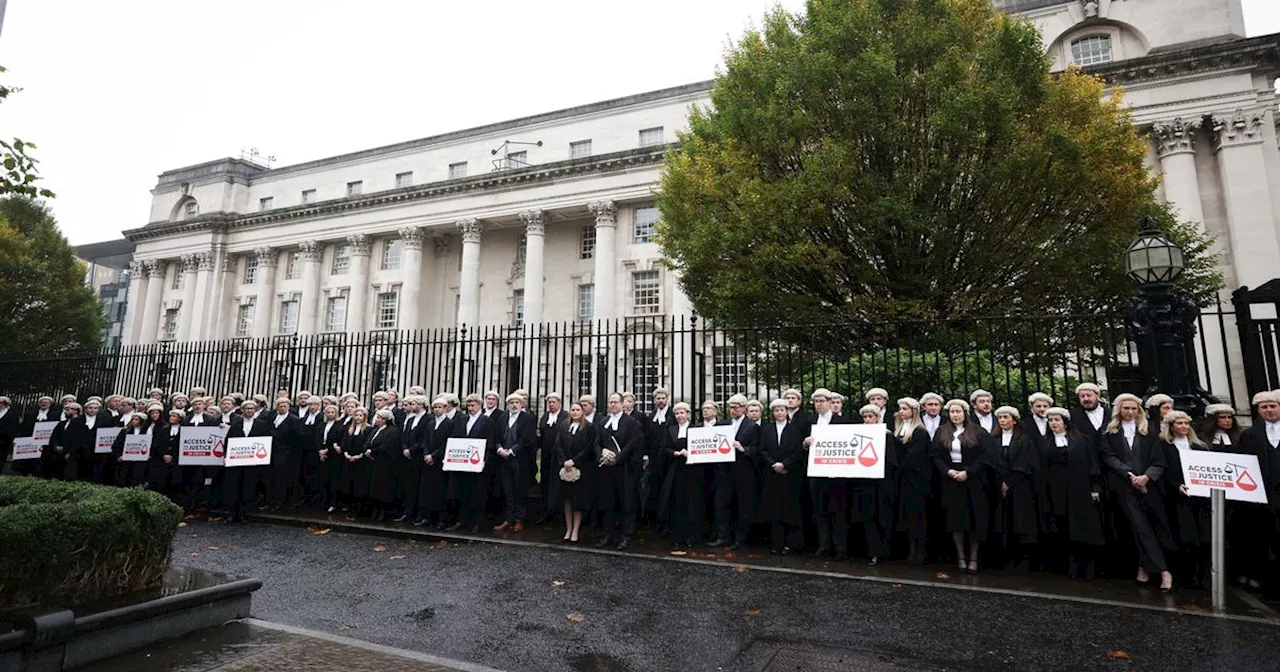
587 242
308 196
391 249
250 270
651 136
728 372
457 170
170 324
645 375
580 149
517 308
1090 50
341 259
355 188
293 266
583 372
179 278
265 203
586 303
244 320
335 313
646 293
288 317
646 218
329 372
517 160
404 179
388 310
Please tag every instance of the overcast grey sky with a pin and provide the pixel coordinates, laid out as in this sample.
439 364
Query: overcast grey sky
116 92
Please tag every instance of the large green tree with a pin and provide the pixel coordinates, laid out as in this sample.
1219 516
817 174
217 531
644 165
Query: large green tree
45 307
894 159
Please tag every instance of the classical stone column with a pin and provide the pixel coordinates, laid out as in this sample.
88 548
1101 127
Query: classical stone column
202 306
535 241
222 324
155 294
469 280
1176 146
266 283
357 300
606 258
1251 228
187 314
311 253
411 287
137 298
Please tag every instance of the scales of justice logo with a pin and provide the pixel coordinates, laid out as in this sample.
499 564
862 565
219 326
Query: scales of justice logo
1243 480
474 458
219 447
868 456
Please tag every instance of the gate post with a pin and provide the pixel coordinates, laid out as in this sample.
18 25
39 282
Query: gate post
1254 374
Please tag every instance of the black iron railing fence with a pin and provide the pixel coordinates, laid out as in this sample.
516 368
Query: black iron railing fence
1011 356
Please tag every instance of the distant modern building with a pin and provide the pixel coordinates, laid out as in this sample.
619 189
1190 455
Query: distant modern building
107 271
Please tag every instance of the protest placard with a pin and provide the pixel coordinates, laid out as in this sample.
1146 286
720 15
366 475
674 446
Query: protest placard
103 438
708 445
249 451
137 447
464 455
1236 475
847 451
201 446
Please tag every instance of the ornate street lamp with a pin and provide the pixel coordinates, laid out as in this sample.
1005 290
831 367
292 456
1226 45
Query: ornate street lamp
1164 320
602 374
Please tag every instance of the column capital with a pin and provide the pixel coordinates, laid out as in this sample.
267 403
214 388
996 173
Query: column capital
360 244
440 243
606 213
534 222
138 269
472 229
1241 127
229 261
266 256
411 237
204 261
311 250
1175 137
189 262
151 268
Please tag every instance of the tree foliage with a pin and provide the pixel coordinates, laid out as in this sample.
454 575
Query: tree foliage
19 173
882 159
45 307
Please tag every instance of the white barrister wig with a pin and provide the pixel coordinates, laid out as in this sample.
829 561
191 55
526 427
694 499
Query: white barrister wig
155 406
870 408
910 401
514 397
739 399
1126 397
1039 396
1090 387
472 397
777 403
930 396
820 393
587 399
1214 409
1060 412
1263 397
956 402
1175 416
1009 411
1158 400
978 394
792 392
178 412
554 395
877 392
680 405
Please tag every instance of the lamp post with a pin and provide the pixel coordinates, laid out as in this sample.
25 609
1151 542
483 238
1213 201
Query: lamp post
602 373
1164 320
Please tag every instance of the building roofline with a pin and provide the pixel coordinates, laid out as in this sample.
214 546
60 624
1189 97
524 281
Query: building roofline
1175 61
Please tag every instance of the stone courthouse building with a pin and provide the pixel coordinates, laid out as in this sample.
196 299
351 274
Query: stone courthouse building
465 228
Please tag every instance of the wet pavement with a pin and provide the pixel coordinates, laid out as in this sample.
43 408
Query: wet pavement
532 607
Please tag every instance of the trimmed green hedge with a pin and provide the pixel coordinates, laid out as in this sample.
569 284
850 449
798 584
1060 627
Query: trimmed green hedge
63 543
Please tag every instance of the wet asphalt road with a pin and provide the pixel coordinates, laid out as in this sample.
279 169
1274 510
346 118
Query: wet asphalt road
499 606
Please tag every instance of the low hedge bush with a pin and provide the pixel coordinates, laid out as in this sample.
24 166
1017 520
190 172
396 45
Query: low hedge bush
64 543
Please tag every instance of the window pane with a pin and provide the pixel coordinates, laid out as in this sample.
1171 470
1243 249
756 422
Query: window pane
388 308
517 307
250 270
457 170
335 318
651 136
244 319
580 149
265 203
288 317
728 372
404 179
583 373
646 218
293 267
646 293
308 195
355 188
391 254
1090 50
586 303
587 245
645 374
341 259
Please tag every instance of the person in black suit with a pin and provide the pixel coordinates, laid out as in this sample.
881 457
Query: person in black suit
413 439
964 456
1262 440
287 439
1136 464
1074 486
983 415
683 503
873 501
575 449
311 474
516 441
94 466
70 439
915 479
737 483
466 489
328 451
1091 417
1015 497
10 425
620 454
830 495
783 455
1037 423
163 474
658 464
431 487
384 448
193 478
240 484
548 430
131 473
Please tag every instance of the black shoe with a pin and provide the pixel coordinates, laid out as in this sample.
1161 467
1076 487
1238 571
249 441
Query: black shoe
841 555
873 561
420 522
379 517
475 529
737 546
715 544
602 542
624 545
441 526
403 517
454 527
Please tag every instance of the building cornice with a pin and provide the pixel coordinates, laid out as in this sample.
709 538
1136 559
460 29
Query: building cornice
222 221
1254 52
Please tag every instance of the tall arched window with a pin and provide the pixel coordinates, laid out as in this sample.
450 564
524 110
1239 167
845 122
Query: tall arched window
1091 49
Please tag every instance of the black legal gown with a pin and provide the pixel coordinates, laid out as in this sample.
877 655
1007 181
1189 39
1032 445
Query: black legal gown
780 493
129 474
682 502
915 483
356 475
967 505
578 446
1188 516
1019 515
388 460
1073 475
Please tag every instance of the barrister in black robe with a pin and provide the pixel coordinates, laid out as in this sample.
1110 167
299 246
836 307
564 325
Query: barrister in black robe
1037 423
413 440
44 412
964 457
60 459
192 477
876 519
1262 440
682 497
830 496
357 467
548 431
466 491
1017 510
384 449
1073 483
329 453
515 444
311 473
1135 465
618 484
240 484
1221 431
287 441
133 472
163 474
94 466
575 449
655 476
983 414
1189 516
737 483
915 479
10 425
783 456
432 486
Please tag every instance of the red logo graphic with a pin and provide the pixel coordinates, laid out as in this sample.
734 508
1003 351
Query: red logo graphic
475 457
1244 480
218 448
262 451
724 447
868 457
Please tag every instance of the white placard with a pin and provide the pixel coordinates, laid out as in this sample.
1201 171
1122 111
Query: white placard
44 430
847 451
465 455
201 446
248 451
27 448
137 447
103 439
710 444
1236 475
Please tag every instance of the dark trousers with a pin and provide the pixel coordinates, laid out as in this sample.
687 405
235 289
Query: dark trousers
831 513
283 478
1150 553
58 466
408 484
616 501
468 492
430 499
735 485
513 490
785 536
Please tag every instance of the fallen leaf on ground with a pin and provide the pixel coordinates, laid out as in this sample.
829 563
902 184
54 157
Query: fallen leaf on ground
576 618
182 524
895 585
379 548
943 575
193 535
194 553
440 545
318 530
557 583
1118 655
210 548
679 553
729 554
190 516
397 557
741 569
214 520
752 612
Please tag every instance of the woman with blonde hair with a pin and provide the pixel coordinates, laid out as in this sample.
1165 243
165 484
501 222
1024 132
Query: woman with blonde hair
1136 464
1189 516
357 469
915 479
575 450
